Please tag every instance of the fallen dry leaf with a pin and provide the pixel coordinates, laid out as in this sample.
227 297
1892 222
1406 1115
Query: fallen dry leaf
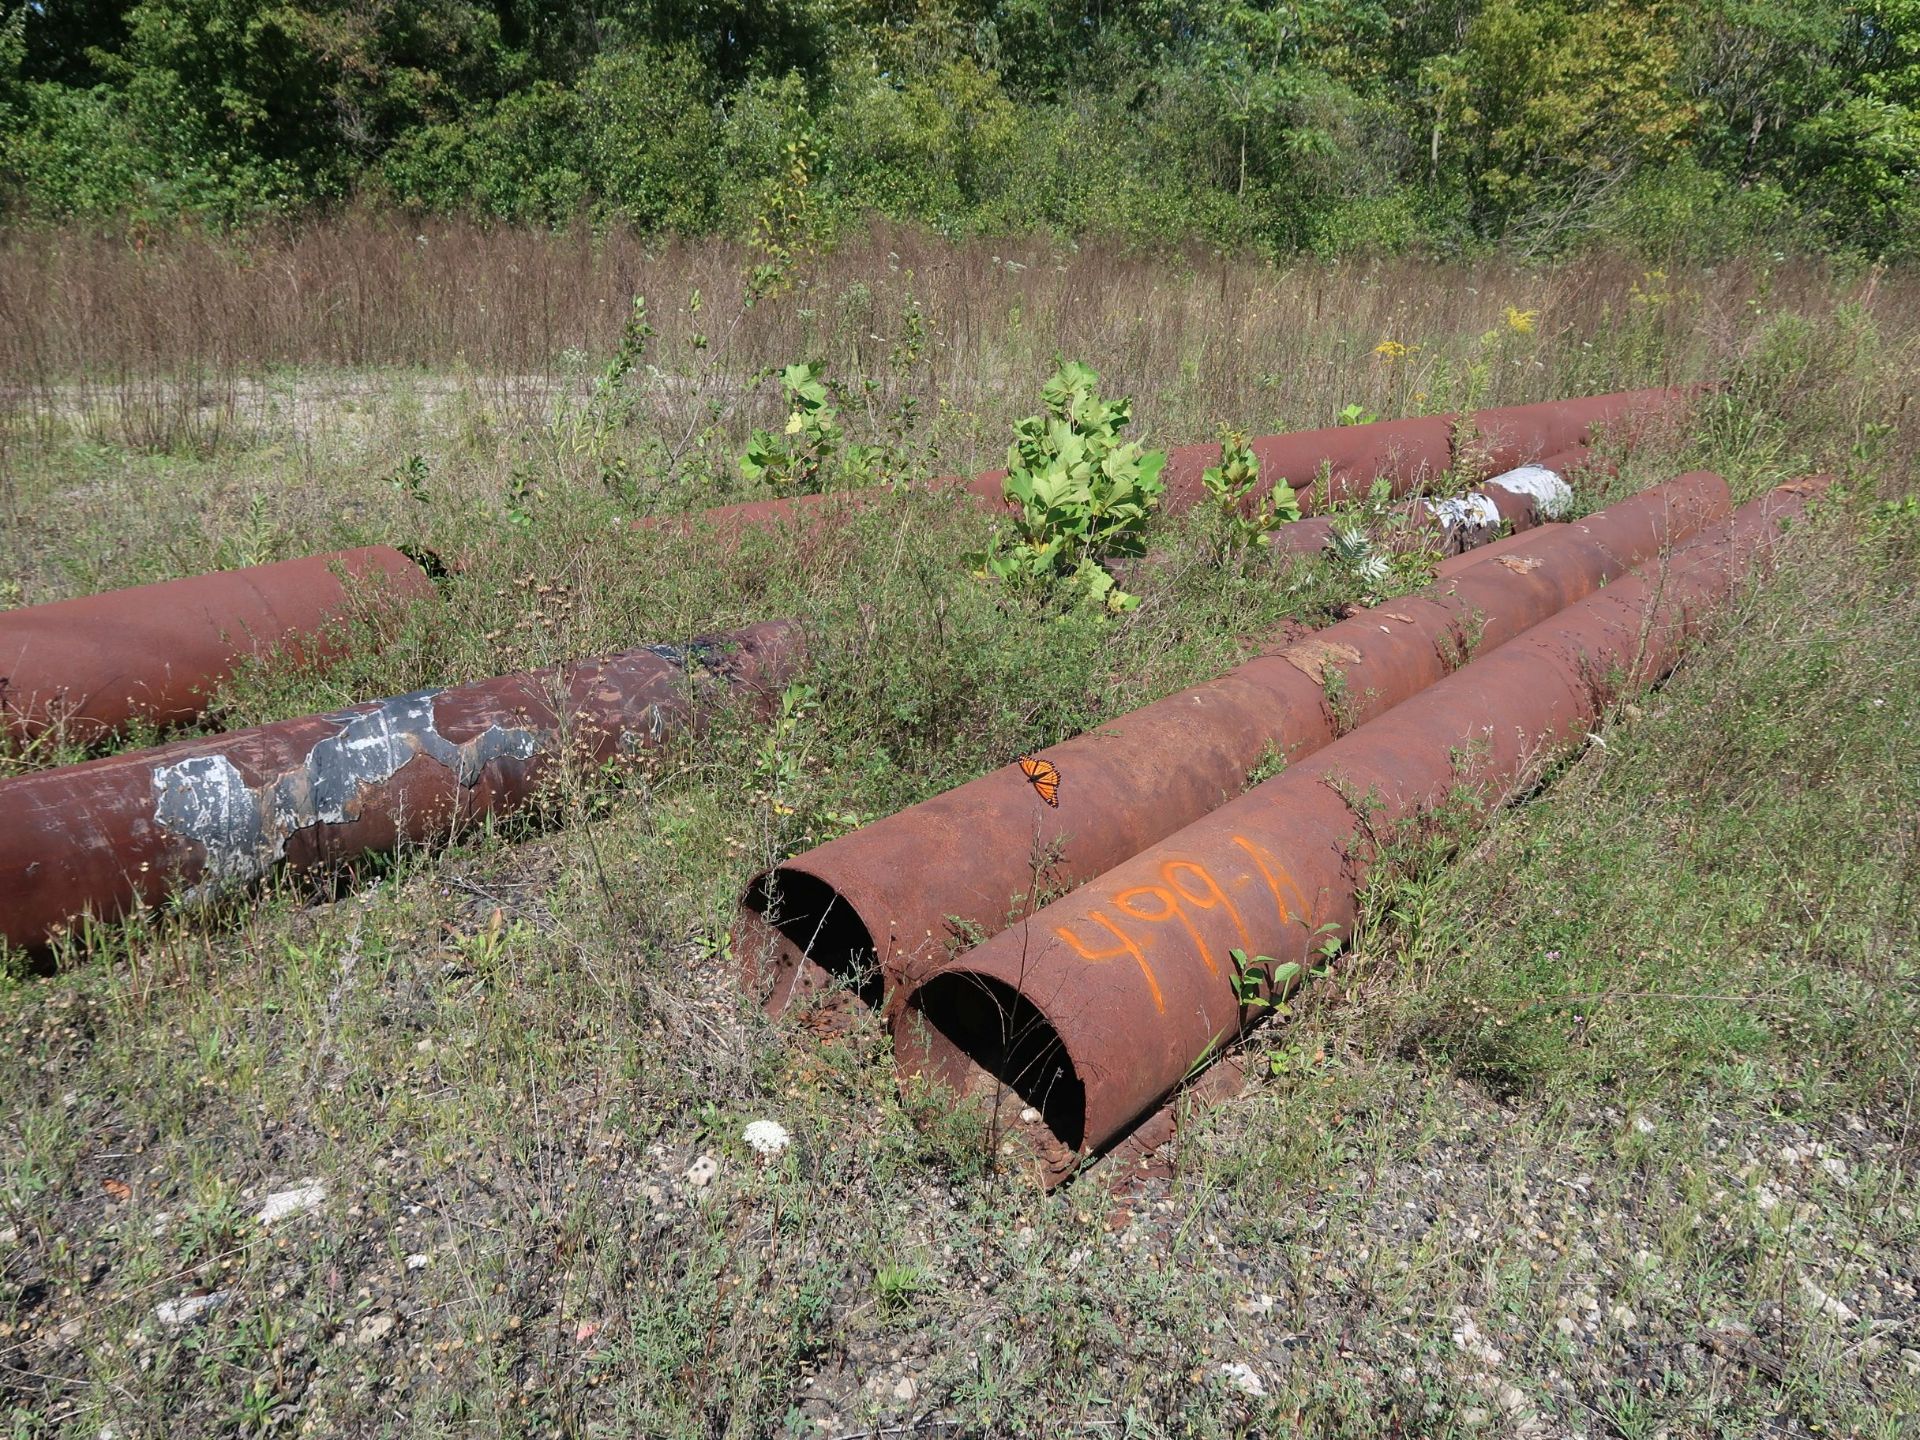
117 1189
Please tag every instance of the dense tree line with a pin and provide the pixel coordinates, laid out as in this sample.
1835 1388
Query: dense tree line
1330 124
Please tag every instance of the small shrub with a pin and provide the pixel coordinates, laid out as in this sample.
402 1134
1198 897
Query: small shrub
813 449
1242 522
1084 495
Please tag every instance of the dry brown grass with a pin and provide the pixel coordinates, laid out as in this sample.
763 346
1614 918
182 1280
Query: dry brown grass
164 339
1425 1217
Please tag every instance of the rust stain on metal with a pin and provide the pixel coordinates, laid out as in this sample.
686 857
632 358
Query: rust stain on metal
1520 564
1096 1007
1315 657
870 909
188 819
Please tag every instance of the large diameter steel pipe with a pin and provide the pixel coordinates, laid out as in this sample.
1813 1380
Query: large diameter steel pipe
874 906
156 652
106 837
1324 467
1506 545
1511 435
1094 1008
1513 500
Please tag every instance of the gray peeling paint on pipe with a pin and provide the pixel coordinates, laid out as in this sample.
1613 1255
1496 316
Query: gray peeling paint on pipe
243 829
182 821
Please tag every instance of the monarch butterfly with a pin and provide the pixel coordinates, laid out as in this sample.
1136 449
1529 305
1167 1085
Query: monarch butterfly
1044 776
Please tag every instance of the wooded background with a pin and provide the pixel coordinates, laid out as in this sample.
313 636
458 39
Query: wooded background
1336 126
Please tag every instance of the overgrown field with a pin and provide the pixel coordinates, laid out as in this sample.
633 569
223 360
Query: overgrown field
1605 1125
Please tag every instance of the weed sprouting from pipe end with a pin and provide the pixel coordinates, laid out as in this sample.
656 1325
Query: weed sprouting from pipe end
795 934
981 1039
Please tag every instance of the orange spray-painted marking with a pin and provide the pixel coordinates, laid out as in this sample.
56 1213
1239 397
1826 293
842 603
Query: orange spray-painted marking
1124 902
1268 867
1127 947
1213 895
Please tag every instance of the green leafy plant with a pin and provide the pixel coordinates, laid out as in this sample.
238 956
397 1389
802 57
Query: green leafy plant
895 1286
1354 552
1263 982
787 228
1242 521
1378 569
410 478
813 448
587 429
783 763
1084 495
613 433
522 495
1356 415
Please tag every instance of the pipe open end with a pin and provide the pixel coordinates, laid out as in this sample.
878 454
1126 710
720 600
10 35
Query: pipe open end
795 936
981 1039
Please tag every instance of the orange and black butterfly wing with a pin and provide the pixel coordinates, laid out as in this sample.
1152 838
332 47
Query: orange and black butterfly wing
1044 776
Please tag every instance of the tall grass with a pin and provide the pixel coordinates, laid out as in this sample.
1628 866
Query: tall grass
161 345
1627 1095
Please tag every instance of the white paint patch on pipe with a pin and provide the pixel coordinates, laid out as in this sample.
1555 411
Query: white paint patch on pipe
1466 512
1550 493
243 830
205 797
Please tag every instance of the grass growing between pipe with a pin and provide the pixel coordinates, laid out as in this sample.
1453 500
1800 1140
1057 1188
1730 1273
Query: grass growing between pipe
1623 1094
1462 1197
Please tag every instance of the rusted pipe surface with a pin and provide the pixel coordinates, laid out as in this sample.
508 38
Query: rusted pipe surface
1516 499
157 652
1097 1006
108 836
1503 438
1506 545
1325 467
873 906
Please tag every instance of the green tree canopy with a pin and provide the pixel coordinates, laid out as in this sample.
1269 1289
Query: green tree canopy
1338 124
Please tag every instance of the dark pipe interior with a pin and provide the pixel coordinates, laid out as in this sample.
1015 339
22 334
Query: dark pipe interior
821 926
971 1022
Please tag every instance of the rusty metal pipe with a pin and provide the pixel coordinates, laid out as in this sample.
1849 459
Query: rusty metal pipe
107 837
873 905
1512 435
1515 500
1094 1008
1493 550
1325 467
156 652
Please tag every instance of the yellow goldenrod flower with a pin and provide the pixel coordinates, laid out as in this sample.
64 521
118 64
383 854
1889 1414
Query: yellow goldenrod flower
1391 350
1520 321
